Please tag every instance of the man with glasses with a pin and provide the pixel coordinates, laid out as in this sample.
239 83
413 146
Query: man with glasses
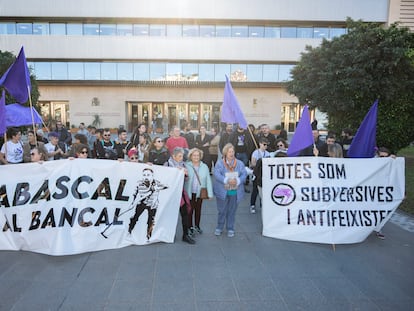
64 136
265 133
105 148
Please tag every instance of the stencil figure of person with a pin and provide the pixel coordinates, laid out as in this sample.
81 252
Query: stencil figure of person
145 197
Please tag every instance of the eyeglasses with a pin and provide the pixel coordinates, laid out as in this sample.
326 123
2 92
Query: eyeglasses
133 158
84 152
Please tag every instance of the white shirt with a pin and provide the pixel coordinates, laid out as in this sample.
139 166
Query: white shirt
13 151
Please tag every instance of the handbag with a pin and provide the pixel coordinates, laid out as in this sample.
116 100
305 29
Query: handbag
203 190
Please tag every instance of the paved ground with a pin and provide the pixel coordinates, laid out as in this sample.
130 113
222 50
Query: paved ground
247 272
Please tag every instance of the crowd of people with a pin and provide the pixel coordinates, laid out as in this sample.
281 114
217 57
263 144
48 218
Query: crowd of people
233 156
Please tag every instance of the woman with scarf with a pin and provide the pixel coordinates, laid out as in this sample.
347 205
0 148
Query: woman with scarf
176 160
228 187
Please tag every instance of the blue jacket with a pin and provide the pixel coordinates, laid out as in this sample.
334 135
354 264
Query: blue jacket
219 176
205 179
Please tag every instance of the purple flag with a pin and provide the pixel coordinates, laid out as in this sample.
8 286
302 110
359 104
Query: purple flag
231 111
3 113
18 115
303 137
364 142
17 79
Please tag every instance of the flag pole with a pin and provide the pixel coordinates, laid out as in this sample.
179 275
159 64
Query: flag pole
31 112
252 136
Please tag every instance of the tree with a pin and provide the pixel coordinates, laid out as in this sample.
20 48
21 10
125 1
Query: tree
6 59
344 76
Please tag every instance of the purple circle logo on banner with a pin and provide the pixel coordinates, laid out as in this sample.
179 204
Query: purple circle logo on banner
283 194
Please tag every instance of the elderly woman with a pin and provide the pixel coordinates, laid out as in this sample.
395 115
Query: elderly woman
198 178
176 160
229 177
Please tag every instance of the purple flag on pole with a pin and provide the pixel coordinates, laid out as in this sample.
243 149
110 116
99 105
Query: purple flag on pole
17 79
364 142
18 115
303 137
231 111
3 113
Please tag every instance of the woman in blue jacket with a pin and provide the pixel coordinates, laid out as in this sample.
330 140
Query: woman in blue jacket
229 177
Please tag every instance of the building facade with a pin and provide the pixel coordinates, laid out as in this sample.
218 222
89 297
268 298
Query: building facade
120 63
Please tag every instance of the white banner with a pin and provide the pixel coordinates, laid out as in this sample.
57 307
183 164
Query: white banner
74 206
328 200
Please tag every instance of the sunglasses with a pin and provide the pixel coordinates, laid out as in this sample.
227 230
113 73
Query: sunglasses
158 141
106 135
264 144
32 154
280 145
133 158
84 152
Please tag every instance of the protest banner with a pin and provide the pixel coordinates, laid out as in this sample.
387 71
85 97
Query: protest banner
74 206
329 200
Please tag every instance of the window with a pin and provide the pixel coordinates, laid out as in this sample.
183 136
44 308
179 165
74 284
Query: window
107 30
223 31
174 72
254 73
157 30
220 72
7 28
75 71
157 71
125 71
24 28
272 32
321 33
91 29
174 31
141 30
190 72
43 71
92 71
336 32
256 31
141 72
305 32
270 73
59 71
57 29
190 31
284 72
108 71
239 31
207 31
206 72
288 32
238 72
40 28
74 29
124 30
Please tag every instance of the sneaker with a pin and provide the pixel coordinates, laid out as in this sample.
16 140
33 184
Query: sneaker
252 209
191 231
230 233
217 232
198 230
188 239
380 235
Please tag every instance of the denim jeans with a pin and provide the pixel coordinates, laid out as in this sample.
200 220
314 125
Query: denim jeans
226 212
